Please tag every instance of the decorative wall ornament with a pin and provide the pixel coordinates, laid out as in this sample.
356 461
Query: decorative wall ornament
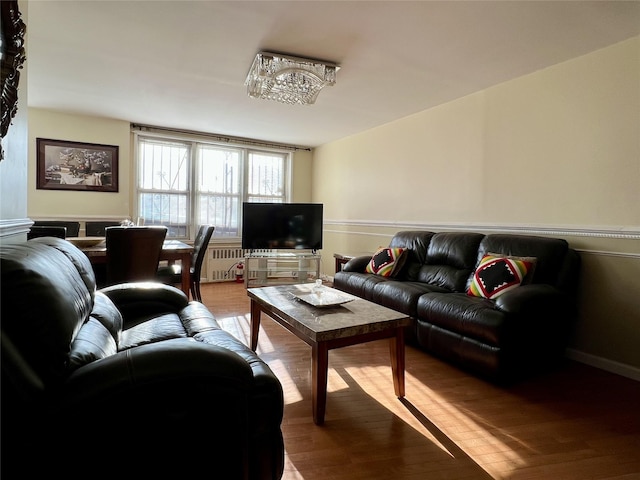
13 57
63 165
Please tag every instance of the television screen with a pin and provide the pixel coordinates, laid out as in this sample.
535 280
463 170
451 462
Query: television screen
281 226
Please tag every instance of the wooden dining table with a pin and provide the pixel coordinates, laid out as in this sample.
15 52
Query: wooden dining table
172 250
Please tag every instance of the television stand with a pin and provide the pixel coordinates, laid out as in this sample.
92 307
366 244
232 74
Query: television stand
280 268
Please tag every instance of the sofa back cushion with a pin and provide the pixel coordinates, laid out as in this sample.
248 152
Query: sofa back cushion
549 253
45 301
416 242
451 257
77 258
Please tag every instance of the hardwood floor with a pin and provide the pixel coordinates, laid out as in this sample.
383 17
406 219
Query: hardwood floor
576 423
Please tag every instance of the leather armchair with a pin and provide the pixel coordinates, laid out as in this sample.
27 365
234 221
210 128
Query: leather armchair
130 380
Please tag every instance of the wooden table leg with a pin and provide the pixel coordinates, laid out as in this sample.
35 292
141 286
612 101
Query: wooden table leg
319 368
255 324
396 349
185 265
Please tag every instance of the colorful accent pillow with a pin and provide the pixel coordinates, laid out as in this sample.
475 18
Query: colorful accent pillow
387 261
531 270
498 274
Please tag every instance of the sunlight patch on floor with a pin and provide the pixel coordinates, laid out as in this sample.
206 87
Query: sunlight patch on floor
238 326
441 421
433 416
293 395
334 381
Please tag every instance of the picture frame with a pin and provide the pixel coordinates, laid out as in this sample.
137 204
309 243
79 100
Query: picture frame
67 165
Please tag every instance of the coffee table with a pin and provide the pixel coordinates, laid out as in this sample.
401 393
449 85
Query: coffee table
328 327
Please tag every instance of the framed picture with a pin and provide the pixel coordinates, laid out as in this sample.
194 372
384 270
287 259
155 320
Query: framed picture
64 165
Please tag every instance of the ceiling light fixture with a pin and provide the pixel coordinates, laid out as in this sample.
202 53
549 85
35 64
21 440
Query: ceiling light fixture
287 79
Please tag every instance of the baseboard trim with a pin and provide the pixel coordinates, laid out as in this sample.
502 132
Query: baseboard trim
604 364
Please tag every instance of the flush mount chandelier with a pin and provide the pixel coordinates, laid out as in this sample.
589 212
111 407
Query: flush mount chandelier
287 79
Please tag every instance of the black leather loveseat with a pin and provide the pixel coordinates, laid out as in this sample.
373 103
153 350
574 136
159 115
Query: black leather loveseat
502 338
132 381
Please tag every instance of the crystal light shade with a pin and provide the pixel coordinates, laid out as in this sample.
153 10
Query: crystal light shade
287 79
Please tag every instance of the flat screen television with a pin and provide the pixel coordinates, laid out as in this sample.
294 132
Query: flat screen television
281 226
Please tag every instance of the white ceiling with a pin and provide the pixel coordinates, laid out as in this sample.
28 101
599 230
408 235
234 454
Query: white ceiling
182 64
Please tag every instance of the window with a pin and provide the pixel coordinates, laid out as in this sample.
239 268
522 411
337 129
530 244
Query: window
183 183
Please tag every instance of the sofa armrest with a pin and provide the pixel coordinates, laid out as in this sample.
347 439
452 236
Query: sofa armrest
532 298
357 264
162 366
145 299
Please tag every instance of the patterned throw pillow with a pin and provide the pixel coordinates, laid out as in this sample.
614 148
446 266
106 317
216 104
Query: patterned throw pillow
387 261
496 275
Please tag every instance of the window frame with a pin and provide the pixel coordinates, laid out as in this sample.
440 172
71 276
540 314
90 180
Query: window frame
194 167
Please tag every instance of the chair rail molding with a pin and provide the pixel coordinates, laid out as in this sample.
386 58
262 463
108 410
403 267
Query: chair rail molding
619 232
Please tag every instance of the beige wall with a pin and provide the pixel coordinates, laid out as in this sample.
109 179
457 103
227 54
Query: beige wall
73 204
43 204
301 176
555 153
560 146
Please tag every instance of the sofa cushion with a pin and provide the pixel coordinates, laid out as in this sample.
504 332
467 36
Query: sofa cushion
161 327
387 261
189 321
359 284
401 295
497 274
473 317
196 318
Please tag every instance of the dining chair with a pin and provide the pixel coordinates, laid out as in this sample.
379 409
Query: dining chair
41 231
172 274
73 228
133 253
97 229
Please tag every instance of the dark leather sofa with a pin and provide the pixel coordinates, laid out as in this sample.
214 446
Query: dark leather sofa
131 381
521 332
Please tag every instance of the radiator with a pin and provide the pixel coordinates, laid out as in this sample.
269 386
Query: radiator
221 262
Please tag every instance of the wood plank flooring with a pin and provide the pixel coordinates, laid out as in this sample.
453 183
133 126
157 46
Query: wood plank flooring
575 423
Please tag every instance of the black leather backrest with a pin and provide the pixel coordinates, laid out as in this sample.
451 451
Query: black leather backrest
549 253
77 258
133 253
45 301
73 228
451 257
97 229
417 242
40 231
200 245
